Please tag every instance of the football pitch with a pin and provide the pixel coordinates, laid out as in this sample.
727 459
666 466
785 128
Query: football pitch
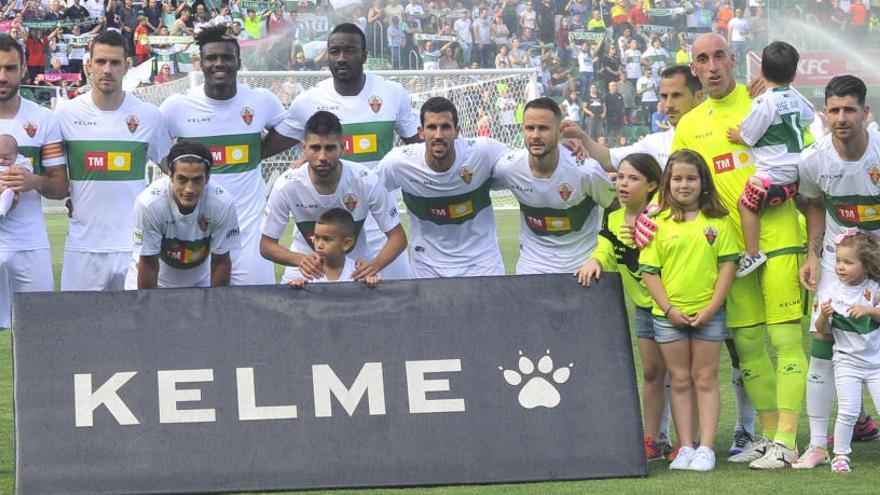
727 478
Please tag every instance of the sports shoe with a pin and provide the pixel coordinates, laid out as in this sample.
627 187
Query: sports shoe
840 464
748 264
704 460
683 458
665 446
653 450
865 431
777 457
814 456
742 440
757 451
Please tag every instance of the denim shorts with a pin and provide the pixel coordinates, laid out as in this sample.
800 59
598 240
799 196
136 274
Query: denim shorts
714 331
643 323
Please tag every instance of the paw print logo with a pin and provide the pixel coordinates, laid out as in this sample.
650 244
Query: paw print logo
745 373
539 390
790 367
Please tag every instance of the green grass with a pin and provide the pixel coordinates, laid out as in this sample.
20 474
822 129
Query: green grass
727 478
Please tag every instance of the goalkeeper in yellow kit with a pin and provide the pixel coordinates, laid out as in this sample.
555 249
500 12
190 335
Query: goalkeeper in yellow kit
767 302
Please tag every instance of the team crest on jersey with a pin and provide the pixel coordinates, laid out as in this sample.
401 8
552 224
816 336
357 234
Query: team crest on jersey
711 234
31 129
375 103
247 115
867 295
466 174
874 174
132 123
564 191
350 201
203 222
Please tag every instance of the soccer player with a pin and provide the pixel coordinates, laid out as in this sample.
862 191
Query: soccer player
371 109
445 182
840 177
767 302
180 221
108 136
229 118
561 198
326 183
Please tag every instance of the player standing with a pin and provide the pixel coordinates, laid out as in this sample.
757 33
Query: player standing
25 259
327 183
181 220
371 109
229 118
561 198
108 135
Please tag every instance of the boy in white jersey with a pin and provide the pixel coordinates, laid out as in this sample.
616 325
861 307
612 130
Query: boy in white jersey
229 118
561 198
326 183
108 136
445 183
372 111
334 238
181 221
775 129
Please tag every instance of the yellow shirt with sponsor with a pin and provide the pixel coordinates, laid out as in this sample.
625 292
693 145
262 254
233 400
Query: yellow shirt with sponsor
704 130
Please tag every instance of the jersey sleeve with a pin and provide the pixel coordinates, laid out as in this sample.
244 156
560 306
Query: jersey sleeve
756 123
384 172
597 184
383 205
52 150
495 151
160 144
292 124
147 231
277 211
275 109
226 235
726 248
618 154
407 124
808 187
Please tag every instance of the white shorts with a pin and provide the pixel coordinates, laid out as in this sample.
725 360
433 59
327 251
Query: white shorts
131 278
376 239
248 266
94 271
489 268
23 271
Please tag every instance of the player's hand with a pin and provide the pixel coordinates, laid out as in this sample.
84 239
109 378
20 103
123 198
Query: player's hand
298 283
757 86
825 310
702 318
807 273
299 162
576 147
570 130
311 266
363 270
373 281
678 319
860 311
19 179
591 269
734 135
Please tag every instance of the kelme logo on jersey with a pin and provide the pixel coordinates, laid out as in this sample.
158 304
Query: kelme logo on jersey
375 103
457 210
31 129
350 201
247 115
360 143
466 174
108 161
132 123
230 155
731 161
711 234
564 191
874 174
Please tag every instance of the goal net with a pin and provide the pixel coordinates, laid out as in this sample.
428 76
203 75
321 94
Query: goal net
481 97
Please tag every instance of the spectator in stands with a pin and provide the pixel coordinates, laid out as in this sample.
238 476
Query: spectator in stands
517 56
646 90
96 8
624 39
637 16
164 75
723 17
558 78
562 50
632 60
509 16
587 60
547 21
500 34
180 27
738 36
659 121
858 20
506 107
396 38
596 24
609 66
141 51
483 38
577 24
447 60
253 24
153 13
656 56
594 112
619 16
36 45
683 55
576 7
613 111
571 107
528 17
628 91
838 18
75 12
463 30
502 60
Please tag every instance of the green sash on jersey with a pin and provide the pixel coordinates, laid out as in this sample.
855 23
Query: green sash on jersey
367 141
184 254
307 229
33 153
862 326
106 160
854 211
233 154
558 222
449 210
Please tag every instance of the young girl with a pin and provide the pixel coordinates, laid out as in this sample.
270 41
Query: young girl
638 178
688 269
848 309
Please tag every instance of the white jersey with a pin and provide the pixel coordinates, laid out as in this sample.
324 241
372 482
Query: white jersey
657 145
358 192
347 271
774 128
369 120
183 242
632 61
232 130
850 190
107 155
39 140
450 213
656 58
856 340
561 215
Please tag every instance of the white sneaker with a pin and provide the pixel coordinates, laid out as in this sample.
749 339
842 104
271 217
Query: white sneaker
683 459
757 451
777 457
704 459
748 264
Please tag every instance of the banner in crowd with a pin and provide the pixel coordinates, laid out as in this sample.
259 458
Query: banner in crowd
45 77
7 25
52 25
448 13
79 41
434 37
664 12
260 6
166 40
311 26
653 28
447 381
339 5
586 36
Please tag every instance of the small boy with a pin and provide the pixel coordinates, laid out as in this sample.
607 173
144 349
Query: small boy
775 128
334 237
9 157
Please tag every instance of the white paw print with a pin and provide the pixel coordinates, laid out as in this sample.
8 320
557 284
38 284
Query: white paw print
538 391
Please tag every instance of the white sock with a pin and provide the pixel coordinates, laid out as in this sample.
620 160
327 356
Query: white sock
745 412
666 419
6 198
821 396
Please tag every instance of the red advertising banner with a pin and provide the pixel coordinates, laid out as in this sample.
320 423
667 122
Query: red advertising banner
816 68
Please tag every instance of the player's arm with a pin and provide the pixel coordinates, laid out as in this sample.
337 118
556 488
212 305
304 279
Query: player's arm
383 207
221 269
754 126
148 272
308 264
274 142
596 151
412 139
394 246
815 216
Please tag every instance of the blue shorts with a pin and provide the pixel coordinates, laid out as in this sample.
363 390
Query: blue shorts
714 331
643 323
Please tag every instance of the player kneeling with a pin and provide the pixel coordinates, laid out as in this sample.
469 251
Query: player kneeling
180 221
334 237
